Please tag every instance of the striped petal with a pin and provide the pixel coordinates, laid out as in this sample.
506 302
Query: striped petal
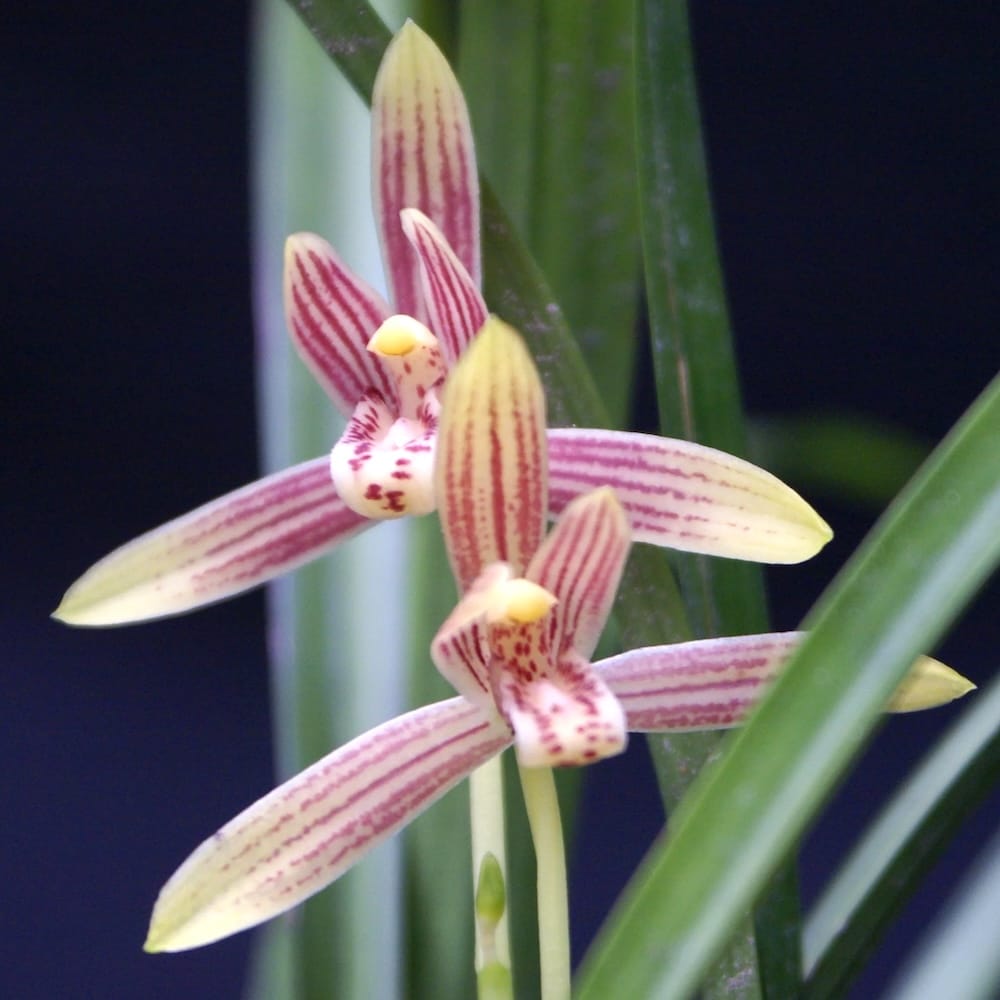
331 315
455 309
713 683
706 684
216 551
459 649
422 157
490 473
686 496
310 830
581 562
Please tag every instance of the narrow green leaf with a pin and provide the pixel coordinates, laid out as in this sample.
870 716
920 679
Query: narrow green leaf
583 222
501 87
555 138
696 379
893 600
897 850
698 395
959 958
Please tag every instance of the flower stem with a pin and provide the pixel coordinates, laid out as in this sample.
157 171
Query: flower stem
542 804
487 817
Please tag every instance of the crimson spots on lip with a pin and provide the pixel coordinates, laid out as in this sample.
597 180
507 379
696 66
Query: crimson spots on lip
374 492
394 499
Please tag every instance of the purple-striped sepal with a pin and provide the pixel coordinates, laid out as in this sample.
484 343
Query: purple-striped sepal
423 157
686 496
227 546
713 683
310 830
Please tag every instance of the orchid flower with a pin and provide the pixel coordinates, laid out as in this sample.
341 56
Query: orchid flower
516 648
383 367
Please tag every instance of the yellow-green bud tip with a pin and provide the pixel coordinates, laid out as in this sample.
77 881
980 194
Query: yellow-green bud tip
491 895
399 335
928 684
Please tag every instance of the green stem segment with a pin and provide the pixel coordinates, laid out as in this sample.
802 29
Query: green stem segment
486 809
542 804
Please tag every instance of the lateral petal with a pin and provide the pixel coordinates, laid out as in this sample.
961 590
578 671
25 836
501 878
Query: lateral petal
455 308
490 472
422 157
686 496
223 548
713 683
705 684
581 562
310 830
331 315
460 650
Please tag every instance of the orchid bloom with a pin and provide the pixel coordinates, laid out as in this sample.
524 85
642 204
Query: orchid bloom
517 649
383 368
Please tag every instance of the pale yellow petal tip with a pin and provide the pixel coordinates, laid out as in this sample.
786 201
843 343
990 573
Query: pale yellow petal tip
94 606
410 46
929 684
73 610
496 338
399 335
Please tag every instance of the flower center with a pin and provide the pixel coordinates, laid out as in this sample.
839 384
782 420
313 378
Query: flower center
383 464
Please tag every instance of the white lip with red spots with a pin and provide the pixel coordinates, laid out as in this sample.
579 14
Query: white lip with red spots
383 464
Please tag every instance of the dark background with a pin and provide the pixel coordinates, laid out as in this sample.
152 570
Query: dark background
853 169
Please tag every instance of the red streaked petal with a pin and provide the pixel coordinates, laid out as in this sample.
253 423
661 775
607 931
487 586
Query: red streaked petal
713 683
490 473
686 496
581 562
455 309
331 315
460 650
227 546
422 157
706 684
310 830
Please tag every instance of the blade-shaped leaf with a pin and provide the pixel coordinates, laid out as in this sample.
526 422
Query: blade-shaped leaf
899 593
900 846
959 955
